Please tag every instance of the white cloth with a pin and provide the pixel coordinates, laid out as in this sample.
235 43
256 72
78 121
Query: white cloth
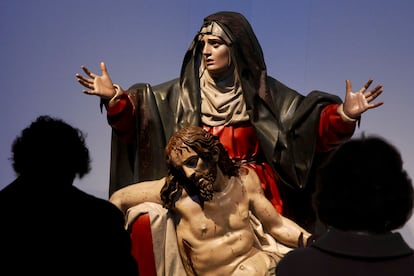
222 102
164 239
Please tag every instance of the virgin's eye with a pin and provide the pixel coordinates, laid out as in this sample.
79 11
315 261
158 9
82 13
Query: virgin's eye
191 162
216 43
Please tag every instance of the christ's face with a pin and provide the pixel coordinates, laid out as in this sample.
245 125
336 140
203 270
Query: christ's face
201 173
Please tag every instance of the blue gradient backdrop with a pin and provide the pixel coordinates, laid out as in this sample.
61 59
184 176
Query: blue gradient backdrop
309 44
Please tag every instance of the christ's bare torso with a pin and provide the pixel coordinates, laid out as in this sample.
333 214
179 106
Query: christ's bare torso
218 239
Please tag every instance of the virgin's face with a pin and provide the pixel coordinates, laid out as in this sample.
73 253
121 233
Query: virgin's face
216 55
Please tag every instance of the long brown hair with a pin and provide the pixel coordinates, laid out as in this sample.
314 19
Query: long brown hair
204 144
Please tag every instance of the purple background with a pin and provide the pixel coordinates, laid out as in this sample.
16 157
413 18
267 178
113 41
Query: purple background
309 44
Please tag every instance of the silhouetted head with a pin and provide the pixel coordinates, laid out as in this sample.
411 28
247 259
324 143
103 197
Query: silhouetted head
364 187
50 148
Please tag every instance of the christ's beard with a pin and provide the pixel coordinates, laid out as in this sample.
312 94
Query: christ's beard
205 185
205 189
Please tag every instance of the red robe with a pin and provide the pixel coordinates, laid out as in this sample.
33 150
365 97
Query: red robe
241 141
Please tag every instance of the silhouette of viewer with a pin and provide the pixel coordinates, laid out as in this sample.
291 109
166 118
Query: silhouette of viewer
50 227
363 195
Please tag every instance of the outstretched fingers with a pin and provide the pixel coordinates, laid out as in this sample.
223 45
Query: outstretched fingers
360 101
366 86
88 83
103 68
87 72
374 93
374 105
348 86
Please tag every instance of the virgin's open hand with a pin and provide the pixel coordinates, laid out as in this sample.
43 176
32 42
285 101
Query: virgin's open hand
101 86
